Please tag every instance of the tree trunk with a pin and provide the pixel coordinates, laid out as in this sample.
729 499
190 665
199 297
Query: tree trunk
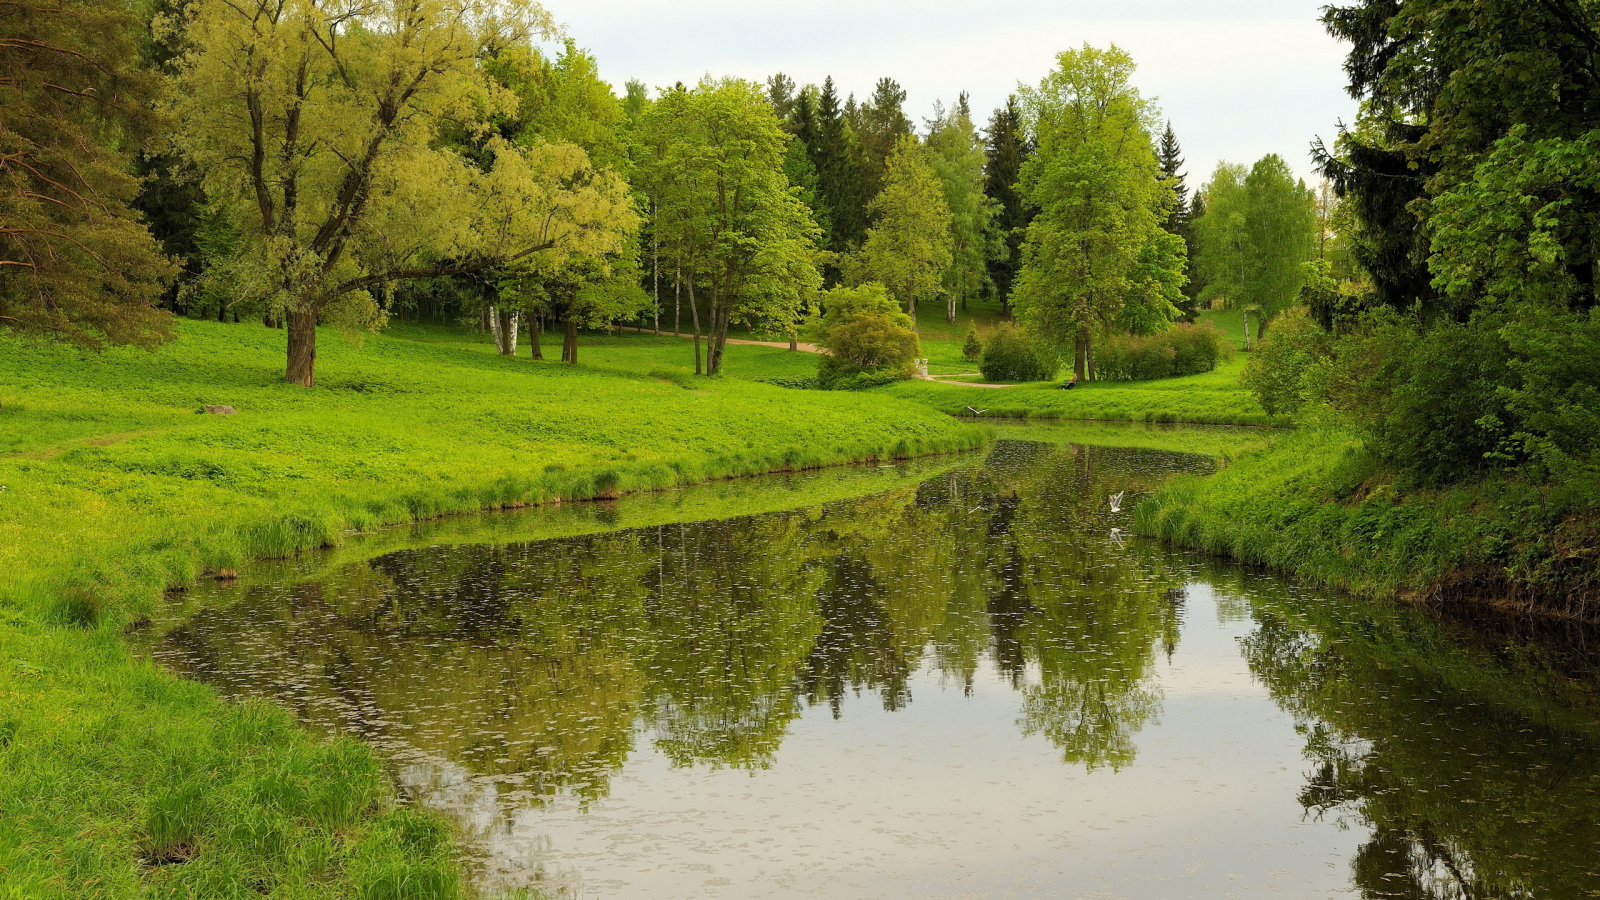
794 341
504 324
302 348
1078 359
694 312
1088 353
655 274
911 307
534 328
569 345
677 303
1247 331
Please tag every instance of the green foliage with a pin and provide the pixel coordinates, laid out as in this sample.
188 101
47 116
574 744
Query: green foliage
1096 258
867 337
726 216
1182 350
1006 151
956 152
1257 234
1319 505
908 250
1505 236
76 264
972 347
1012 354
1278 370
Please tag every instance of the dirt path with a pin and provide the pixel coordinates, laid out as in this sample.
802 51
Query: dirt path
781 345
940 379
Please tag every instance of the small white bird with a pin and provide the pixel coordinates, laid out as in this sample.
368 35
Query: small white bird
1116 501
976 412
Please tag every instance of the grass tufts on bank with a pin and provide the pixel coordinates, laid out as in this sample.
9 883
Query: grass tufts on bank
1317 504
121 780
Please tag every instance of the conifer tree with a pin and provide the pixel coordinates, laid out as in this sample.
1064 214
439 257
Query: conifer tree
1170 157
1007 149
882 122
838 174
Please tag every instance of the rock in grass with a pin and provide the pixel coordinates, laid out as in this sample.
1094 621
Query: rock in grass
218 411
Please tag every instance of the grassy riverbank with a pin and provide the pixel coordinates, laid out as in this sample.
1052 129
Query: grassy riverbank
120 780
1215 398
1318 505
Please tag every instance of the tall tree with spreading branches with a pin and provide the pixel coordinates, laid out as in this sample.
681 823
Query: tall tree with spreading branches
319 123
1097 258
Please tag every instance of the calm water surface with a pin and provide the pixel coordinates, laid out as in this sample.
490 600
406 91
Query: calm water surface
971 687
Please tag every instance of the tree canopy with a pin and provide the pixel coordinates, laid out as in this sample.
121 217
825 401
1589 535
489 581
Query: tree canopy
319 126
1096 256
909 249
76 264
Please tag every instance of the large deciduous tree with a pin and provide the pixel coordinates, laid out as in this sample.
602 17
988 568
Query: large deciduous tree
76 264
1257 236
727 218
956 151
320 124
908 250
1096 258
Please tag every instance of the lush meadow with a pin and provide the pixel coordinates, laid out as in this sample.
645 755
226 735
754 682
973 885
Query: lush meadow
1215 398
122 780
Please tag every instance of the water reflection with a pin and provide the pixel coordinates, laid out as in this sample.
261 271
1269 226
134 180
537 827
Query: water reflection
958 688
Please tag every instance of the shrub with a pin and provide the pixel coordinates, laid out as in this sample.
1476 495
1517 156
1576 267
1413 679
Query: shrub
1277 371
1011 354
972 350
1183 350
1443 402
865 334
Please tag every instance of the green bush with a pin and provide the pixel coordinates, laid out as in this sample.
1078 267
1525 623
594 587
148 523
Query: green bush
1277 372
1011 354
1183 350
1444 402
865 334
972 349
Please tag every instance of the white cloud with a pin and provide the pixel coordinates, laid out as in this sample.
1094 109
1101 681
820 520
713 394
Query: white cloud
1238 78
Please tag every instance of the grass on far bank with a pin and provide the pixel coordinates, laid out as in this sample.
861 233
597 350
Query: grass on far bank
1318 505
1214 398
121 780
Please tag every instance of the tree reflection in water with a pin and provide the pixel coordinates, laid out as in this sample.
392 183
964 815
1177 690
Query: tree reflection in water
500 677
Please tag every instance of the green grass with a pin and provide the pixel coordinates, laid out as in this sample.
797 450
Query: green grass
1231 321
115 489
1220 441
1317 504
1215 398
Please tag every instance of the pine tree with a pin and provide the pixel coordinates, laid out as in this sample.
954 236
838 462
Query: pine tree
881 122
1007 150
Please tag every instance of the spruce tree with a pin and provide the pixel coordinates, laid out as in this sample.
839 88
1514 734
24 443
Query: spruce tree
838 172
1006 151
1170 157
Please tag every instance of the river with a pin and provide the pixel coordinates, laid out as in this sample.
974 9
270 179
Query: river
963 680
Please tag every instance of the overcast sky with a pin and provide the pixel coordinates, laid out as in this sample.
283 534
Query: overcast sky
1238 78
